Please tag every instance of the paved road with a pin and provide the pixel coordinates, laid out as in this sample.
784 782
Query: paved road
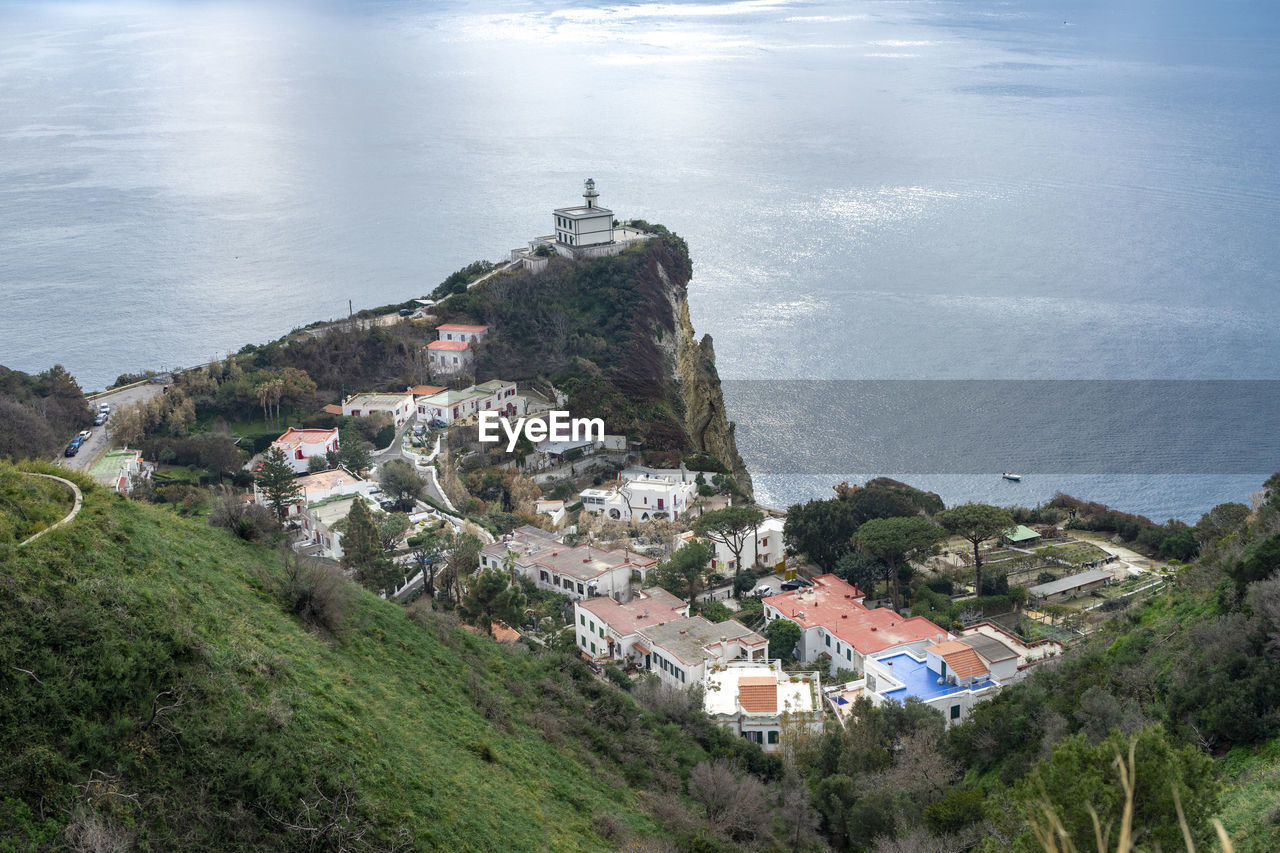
100 439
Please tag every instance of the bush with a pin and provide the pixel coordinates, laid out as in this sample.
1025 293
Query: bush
317 592
251 522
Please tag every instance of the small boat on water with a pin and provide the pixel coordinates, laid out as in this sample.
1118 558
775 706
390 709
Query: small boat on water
1014 477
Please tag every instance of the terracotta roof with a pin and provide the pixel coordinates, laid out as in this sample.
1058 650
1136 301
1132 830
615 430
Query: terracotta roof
294 436
837 606
333 409
758 694
961 659
449 345
651 607
425 390
460 327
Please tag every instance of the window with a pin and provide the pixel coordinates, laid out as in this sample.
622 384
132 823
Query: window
579 589
764 543
955 712
602 632
543 576
593 648
582 620
773 736
848 654
837 648
828 637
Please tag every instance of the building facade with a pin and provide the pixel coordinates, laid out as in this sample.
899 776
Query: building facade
588 224
835 623
762 703
299 445
399 407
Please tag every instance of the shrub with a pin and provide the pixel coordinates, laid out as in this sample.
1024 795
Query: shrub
317 592
251 522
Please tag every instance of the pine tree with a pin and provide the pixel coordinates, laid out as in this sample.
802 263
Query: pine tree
276 482
362 550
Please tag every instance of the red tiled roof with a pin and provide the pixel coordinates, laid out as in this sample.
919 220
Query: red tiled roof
333 409
837 606
449 345
425 390
758 694
293 436
651 607
963 660
460 327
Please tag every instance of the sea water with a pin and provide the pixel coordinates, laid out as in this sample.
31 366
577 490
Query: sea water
870 191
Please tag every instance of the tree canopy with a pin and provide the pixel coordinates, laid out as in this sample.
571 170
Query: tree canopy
895 541
685 573
492 596
400 482
976 523
730 527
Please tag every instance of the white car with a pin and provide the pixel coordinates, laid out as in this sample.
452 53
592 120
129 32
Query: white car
762 590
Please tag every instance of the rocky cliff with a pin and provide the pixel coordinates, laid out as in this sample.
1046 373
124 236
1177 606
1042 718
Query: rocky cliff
615 334
704 414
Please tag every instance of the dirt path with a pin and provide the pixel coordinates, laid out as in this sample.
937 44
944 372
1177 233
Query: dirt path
75 510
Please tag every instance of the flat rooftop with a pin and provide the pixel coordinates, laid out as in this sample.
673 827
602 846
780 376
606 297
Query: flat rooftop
1069 583
582 210
688 638
725 691
377 399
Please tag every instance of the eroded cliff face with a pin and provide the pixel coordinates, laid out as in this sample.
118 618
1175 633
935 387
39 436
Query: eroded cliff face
699 384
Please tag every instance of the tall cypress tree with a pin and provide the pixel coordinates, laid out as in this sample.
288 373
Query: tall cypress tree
362 549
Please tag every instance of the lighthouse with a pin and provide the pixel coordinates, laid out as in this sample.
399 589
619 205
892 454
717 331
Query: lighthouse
587 225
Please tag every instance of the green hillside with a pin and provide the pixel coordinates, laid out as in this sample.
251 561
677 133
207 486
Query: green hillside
154 688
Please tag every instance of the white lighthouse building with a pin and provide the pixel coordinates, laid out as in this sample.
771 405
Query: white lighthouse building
589 224
585 231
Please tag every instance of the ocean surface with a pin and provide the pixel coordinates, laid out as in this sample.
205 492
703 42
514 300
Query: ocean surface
909 190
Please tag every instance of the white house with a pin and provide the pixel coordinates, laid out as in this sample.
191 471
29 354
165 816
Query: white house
299 445
834 622
448 357
765 548
950 677
398 406
496 395
461 332
1008 657
762 703
609 630
641 495
579 572
682 650
553 509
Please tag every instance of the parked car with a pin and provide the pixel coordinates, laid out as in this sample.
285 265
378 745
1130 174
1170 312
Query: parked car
72 449
762 590
104 407
387 505
787 586
405 312
100 419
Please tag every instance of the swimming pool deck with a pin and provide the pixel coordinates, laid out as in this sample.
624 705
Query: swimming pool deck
919 681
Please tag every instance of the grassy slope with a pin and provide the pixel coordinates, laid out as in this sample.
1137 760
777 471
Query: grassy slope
130 601
29 505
